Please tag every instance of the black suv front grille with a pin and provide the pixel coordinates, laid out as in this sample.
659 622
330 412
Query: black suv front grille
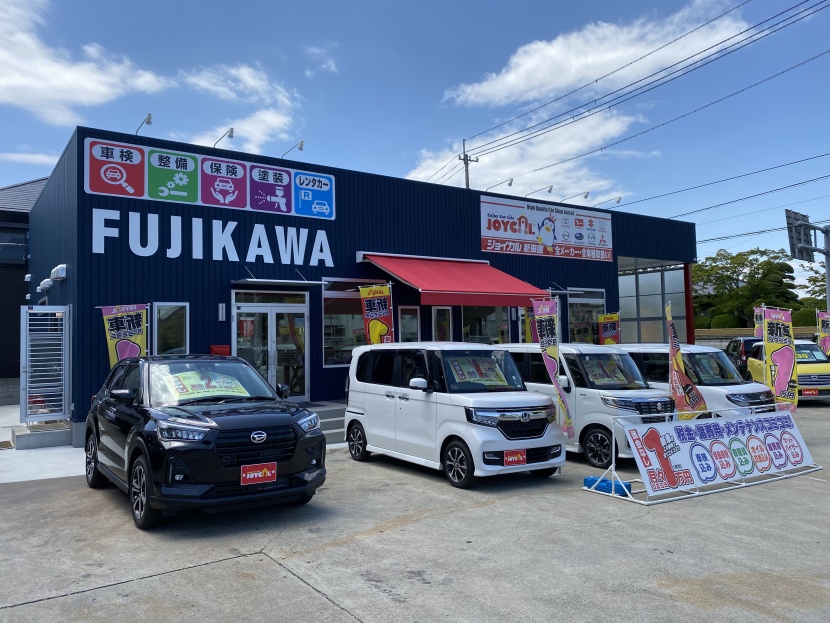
283 482
235 447
516 429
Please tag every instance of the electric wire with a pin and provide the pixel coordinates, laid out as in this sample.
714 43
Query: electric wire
611 73
752 233
786 205
503 142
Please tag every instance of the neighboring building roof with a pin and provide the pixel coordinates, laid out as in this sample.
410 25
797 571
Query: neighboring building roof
21 197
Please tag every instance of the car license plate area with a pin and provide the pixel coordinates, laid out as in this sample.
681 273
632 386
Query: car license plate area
515 457
809 392
258 473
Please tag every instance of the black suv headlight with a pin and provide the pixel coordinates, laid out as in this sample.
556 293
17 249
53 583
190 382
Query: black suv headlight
309 422
180 432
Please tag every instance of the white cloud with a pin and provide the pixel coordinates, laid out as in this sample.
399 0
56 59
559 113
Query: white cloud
241 83
49 83
251 133
22 158
541 71
321 60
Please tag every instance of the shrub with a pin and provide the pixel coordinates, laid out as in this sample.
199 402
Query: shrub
702 322
805 317
726 321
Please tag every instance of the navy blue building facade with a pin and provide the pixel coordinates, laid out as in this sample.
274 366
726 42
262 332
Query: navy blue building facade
224 272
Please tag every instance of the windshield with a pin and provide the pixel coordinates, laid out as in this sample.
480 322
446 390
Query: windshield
183 382
809 353
469 371
711 369
612 371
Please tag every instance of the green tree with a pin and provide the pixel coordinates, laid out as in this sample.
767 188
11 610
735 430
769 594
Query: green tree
734 284
817 281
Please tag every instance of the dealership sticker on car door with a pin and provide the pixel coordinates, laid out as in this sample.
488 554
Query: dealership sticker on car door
255 474
515 457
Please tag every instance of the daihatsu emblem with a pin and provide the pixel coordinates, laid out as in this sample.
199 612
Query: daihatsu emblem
525 417
258 436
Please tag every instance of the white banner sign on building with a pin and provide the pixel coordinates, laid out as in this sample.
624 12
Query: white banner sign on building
528 228
683 455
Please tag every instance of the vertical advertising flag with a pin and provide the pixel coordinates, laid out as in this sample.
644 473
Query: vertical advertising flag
609 329
126 328
759 321
546 318
823 325
780 372
531 335
377 313
688 400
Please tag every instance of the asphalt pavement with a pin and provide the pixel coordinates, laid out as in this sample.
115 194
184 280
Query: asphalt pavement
386 540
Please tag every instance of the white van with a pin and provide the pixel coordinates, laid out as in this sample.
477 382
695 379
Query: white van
600 383
720 384
459 407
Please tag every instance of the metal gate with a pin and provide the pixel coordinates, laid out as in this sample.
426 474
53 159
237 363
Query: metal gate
44 363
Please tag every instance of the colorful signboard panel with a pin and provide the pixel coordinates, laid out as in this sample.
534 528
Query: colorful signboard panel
823 325
759 321
675 456
161 175
780 373
527 228
546 318
609 328
377 314
126 327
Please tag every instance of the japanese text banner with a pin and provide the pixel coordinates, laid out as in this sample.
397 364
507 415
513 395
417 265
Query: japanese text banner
823 322
126 329
609 328
546 317
780 373
687 397
759 321
675 456
377 313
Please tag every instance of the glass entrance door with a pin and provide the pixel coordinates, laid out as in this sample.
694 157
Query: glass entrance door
272 339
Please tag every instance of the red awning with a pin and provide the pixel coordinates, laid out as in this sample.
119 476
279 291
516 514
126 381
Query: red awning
458 282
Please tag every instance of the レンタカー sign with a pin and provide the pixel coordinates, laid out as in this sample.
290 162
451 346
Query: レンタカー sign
527 228
162 175
678 456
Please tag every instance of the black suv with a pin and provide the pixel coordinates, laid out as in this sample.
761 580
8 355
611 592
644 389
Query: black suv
198 431
738 350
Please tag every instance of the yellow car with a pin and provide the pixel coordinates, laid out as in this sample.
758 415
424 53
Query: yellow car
812 366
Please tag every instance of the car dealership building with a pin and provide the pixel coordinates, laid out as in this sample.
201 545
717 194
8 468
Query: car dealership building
262 258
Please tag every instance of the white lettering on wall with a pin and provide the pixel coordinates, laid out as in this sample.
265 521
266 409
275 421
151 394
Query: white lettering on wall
259 246
100 231
152 234
291 242
222 241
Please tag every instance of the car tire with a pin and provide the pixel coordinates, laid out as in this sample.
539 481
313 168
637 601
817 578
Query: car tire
544 473
356 440
94 478
141 483
458 464
596 446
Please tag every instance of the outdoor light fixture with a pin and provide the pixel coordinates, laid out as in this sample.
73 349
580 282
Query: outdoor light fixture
584 196
58 273
27 278
548 188
229 134
148 120
28 296
616 199
299 147
45 284
509 183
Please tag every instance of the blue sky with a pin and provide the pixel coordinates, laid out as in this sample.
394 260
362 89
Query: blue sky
393 88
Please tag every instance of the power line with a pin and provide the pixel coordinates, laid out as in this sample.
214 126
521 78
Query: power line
503 142
786 205
611 73
752 233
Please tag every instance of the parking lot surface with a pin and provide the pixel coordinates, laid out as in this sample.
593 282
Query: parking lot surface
386 540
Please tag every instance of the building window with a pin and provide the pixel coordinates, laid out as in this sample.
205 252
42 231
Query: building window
584 307
486 325
13 247
442 324
342 320
171 334
645 288
409 324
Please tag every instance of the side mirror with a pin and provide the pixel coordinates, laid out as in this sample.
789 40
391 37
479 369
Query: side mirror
419 383
122 396
283 391
565 384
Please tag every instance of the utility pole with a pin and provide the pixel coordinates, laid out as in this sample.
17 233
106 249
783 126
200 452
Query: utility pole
466 160
802 246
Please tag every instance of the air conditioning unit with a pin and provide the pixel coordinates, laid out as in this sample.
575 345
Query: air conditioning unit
58 272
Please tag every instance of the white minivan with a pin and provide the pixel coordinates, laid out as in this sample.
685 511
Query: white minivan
458 407
600 383
725 392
